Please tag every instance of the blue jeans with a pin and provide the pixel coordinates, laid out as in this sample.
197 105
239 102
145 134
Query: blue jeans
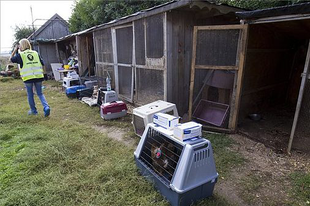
38 87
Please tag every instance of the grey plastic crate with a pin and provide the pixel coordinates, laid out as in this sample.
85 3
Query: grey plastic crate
185 171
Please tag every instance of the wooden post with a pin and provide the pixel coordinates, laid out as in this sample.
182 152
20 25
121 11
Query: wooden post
299 101
235 109
192 80
87 55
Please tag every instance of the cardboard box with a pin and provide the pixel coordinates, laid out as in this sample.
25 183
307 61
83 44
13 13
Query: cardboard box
165 120
187 131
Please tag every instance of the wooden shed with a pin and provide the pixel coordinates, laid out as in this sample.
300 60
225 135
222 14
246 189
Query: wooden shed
148 54
257 79
43 39
276 76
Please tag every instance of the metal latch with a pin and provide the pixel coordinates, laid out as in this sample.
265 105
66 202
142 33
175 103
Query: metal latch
304 74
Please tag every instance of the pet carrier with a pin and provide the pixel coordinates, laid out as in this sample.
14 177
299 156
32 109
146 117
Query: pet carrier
86 92
69 82
105 96
113 110
144 114
71 91
183 171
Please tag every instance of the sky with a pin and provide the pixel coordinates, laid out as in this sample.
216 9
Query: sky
18 13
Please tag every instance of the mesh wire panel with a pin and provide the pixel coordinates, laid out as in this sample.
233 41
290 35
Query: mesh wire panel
161 155
140 42
103 41
303 129
102 71
124 45
150 85
217 47
125 81
155 36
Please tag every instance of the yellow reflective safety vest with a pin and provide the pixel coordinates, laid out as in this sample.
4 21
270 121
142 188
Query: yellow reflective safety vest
32 67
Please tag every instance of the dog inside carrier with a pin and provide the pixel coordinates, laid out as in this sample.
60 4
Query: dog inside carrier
183 171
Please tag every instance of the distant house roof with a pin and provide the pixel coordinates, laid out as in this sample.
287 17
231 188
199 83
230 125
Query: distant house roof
159 9
55 17
302 8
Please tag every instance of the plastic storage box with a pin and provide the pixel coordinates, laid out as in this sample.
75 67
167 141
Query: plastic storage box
71 91
187 131
106 96
69 82
144 115
165 120
183 172
213 113
113 110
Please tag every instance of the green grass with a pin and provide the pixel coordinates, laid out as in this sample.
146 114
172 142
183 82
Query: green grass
225 158
62 160
301 186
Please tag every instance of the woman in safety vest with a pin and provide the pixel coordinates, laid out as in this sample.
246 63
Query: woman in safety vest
31 71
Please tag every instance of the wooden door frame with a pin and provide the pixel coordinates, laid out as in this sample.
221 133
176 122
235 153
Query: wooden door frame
239 68
116 64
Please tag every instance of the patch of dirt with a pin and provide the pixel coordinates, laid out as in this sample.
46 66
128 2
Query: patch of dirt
115 133
264 178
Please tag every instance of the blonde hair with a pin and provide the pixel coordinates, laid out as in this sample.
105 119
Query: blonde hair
24 44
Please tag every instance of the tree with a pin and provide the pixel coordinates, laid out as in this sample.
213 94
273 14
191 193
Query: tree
259 4
88 13
21 32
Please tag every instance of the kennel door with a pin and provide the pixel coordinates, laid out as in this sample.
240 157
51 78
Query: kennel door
216 74
124 55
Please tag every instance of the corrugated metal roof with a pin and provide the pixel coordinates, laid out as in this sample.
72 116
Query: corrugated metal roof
148 12
303 8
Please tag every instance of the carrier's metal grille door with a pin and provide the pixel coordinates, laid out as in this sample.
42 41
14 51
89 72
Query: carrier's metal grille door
161 155
216 74
125 69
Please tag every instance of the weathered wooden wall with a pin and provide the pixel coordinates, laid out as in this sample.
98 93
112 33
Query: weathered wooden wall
180 25
267 70
48 54
85 51
54 30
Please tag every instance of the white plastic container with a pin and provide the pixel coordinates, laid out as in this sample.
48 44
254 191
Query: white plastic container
69 82
187 131
144 115
165 120
106 96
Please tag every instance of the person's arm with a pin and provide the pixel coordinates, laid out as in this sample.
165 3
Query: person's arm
13 53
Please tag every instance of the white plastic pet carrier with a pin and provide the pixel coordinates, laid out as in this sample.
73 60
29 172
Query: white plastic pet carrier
144 115
183 171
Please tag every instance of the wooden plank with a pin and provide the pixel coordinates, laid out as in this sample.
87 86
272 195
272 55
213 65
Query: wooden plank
217 129
188 44
165 55
114 48
192 80
220 27
235 111
216 67
279 19
170 57
133 62
87 56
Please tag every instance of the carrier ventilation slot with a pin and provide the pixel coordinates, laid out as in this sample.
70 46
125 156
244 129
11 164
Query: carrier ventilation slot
161 155
200 157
